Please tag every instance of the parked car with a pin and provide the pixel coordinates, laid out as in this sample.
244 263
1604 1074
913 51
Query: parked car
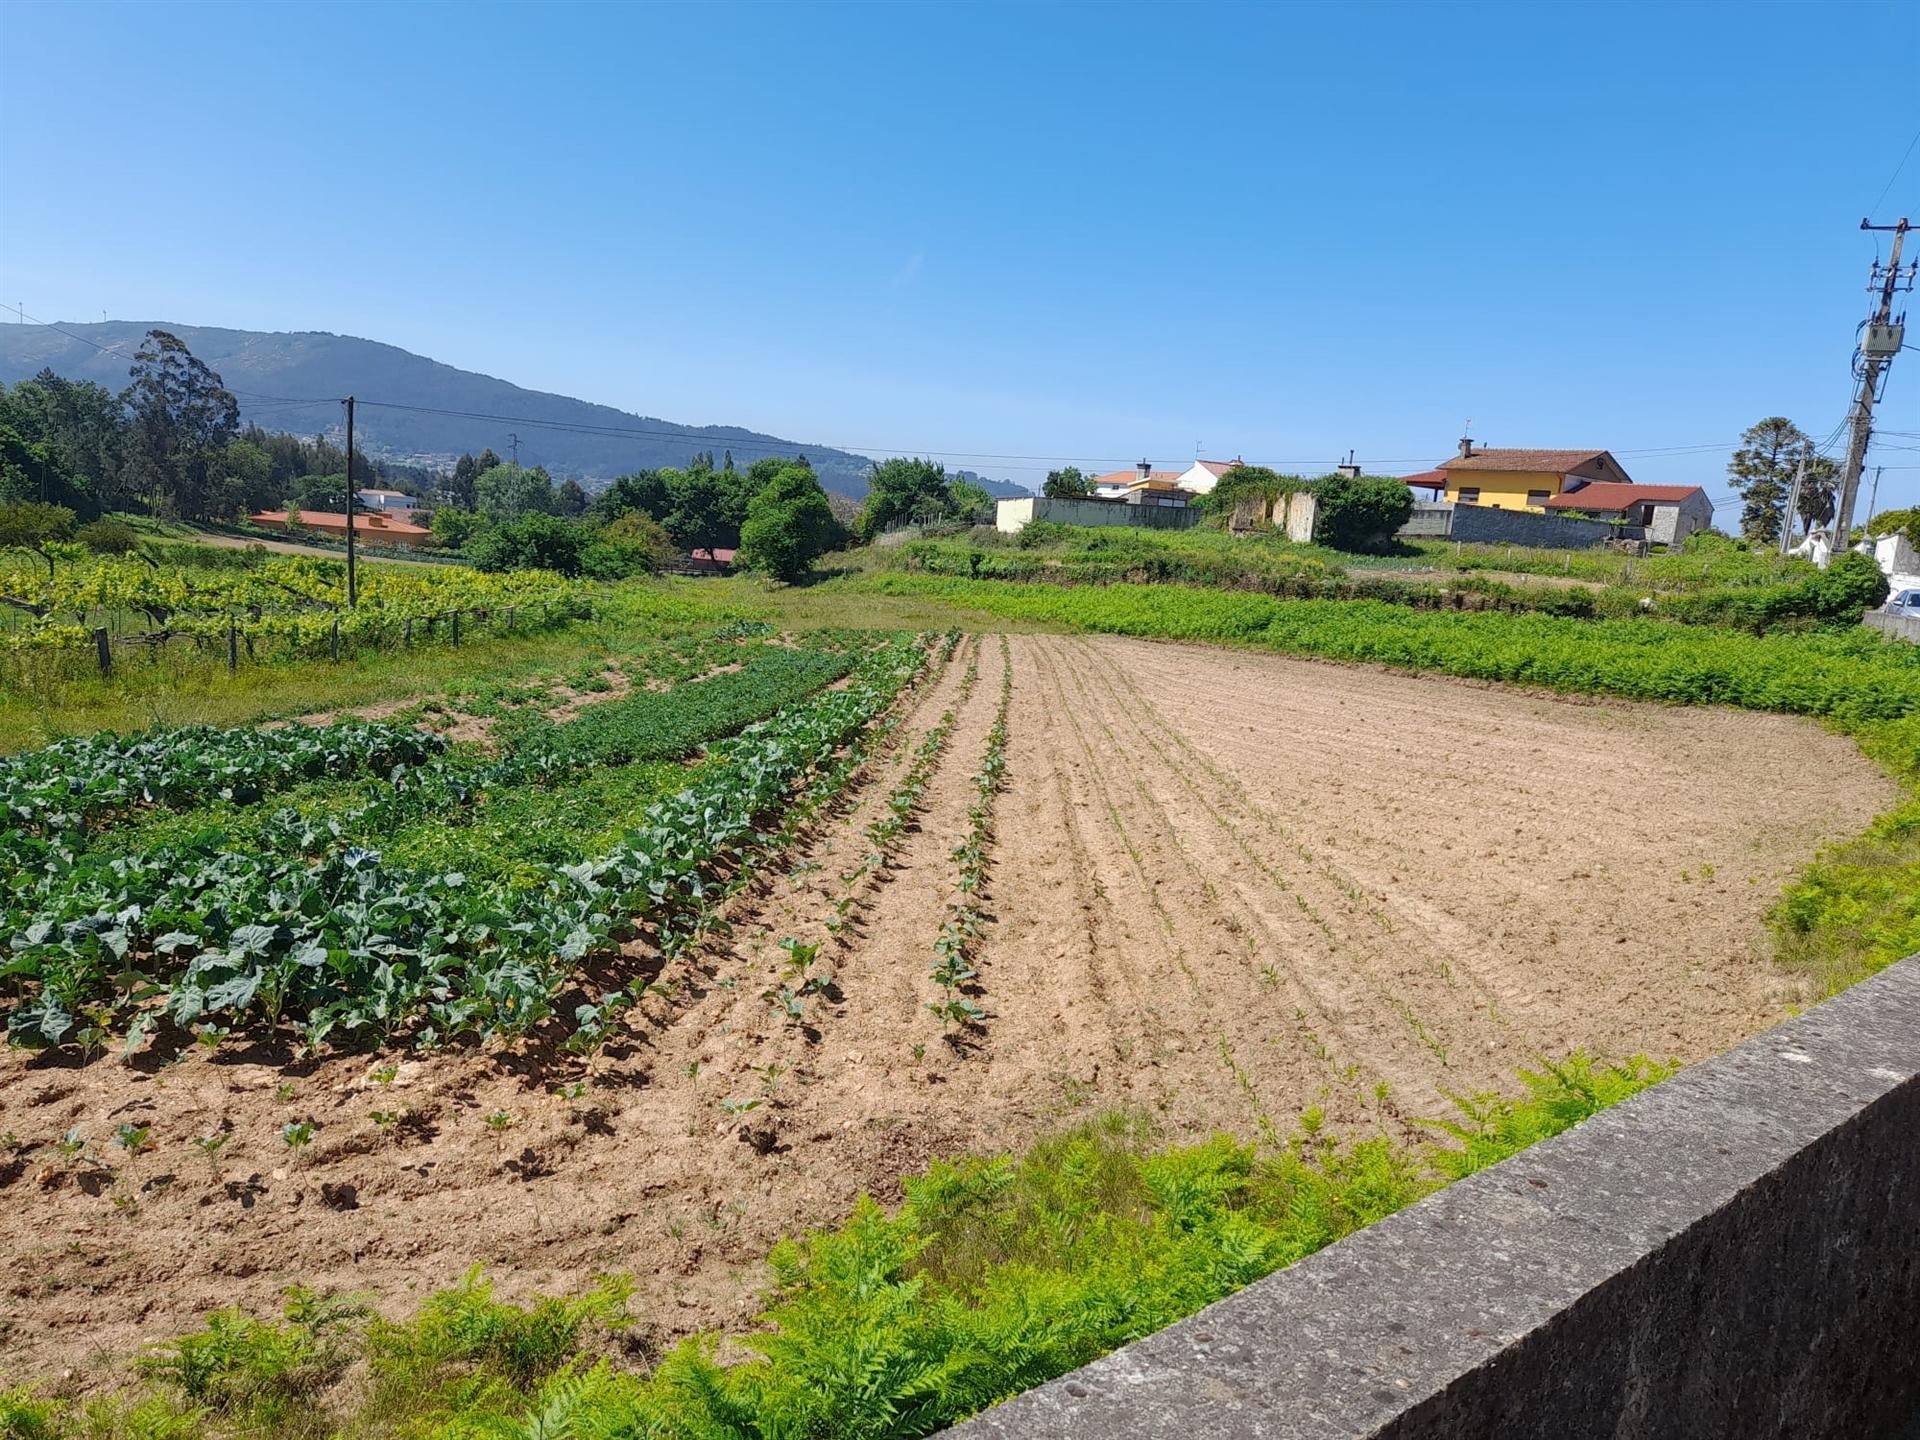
1904 602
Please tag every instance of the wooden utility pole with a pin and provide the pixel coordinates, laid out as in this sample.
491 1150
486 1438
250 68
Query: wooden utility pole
1880 342
353 579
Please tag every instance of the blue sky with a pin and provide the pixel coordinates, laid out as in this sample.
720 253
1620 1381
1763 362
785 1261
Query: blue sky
1096 233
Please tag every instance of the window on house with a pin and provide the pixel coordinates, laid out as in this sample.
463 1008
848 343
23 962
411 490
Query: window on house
1470 494
1538 497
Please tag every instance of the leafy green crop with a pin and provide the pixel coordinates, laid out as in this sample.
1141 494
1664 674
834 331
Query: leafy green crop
94 779
331 935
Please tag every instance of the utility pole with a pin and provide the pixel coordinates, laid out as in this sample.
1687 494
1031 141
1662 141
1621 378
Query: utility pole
1881 340
353 578
1873 495
1793 505
513 442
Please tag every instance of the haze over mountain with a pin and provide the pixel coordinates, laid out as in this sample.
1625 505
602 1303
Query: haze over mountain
268 369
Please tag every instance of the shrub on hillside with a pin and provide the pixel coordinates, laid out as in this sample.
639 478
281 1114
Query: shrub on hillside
29 523
108 537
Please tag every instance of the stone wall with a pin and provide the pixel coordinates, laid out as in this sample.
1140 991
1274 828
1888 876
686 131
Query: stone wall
1904 627
1733 1253
1013 516
1489 525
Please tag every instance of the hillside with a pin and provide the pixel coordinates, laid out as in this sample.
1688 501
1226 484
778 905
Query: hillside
264 367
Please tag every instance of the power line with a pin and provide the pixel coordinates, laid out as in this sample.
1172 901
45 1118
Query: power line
1905 155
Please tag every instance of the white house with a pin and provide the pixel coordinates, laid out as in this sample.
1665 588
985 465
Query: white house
1205 474
387 500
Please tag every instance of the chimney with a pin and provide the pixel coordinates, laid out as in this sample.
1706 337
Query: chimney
1466 446
1146 469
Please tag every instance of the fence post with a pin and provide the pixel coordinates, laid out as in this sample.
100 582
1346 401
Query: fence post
456 627
335 644
233 647
104 645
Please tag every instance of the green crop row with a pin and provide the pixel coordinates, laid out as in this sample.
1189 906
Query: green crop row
92 780
992 1276
320 930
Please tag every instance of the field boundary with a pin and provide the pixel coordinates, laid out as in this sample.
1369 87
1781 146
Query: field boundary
1727 1253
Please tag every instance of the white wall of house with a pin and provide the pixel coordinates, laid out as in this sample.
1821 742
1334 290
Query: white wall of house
386 500
1199 479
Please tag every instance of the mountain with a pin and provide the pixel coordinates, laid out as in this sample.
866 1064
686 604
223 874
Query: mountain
266 369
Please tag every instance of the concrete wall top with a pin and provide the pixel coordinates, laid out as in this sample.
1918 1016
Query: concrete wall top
1730 1253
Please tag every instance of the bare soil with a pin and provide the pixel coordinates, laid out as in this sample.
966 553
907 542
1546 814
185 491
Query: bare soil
1224 888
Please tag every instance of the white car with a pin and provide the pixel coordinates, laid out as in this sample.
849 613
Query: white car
1904 602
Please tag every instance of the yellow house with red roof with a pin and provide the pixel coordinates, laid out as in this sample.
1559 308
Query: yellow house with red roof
1524 479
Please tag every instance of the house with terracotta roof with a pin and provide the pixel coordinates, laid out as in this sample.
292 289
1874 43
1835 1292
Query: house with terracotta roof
1668 513
1144 485
1524 479
369 527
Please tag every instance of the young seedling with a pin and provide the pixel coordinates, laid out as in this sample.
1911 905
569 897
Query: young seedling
210 1146
298 1134
71 1145
499 1122
736 1106
385 1075
385 1119
284 1092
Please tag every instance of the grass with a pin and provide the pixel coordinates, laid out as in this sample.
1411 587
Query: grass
993 1275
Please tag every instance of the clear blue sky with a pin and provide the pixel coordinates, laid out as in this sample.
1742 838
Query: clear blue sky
1096 233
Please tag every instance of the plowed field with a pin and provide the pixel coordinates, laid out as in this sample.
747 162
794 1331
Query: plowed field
1222 888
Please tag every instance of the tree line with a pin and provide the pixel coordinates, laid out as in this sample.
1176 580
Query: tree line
773 513
170 444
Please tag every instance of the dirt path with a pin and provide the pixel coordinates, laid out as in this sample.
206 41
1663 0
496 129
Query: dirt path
1224 888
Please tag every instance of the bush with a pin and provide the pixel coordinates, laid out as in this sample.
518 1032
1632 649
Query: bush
454 528
1360 514
1837 595
788 526
30 523
533 542
633 544
108 537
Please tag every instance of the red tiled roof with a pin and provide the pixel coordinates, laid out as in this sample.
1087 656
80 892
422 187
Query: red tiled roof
1606 495
364 521
722 556
1427 480
1556 462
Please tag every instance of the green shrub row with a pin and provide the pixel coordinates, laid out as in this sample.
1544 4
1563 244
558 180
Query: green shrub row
1831 597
